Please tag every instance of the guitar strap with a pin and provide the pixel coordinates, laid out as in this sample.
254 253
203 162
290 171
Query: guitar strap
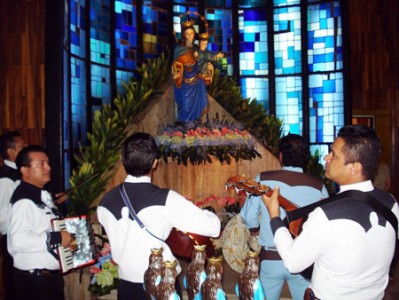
125 198
355 194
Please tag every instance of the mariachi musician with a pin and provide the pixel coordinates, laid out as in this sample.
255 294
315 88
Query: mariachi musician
31 240
299 188
137 202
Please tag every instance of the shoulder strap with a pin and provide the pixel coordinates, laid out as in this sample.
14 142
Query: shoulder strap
125 198
362 196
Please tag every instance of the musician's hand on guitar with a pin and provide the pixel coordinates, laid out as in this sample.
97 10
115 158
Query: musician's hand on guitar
66 238
272 203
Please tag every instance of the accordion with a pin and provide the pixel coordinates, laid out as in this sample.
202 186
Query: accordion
83 252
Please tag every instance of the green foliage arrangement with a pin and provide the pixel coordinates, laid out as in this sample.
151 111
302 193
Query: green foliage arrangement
108 132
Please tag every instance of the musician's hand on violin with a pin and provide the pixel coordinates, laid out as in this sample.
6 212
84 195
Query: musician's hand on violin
272 203
66 238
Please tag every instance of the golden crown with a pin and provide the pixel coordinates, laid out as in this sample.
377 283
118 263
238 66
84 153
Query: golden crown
187 23
203 36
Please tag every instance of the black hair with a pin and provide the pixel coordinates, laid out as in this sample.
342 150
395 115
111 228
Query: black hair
7 141
294 150
362 145
23 158
139 152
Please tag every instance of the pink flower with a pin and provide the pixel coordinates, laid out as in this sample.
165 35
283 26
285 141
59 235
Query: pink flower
216 132
191 132
222 201
231 200
199 203
177 133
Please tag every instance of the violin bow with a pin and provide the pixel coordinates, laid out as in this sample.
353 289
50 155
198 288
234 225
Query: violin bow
77 186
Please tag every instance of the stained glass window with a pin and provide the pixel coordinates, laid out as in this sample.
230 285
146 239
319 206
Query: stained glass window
100 86
326 106
286 2
256 88
155 29
125 35
251 3
287 40
252 26
325 37
78 102
289 103
77 27
291 70
218 3
220 29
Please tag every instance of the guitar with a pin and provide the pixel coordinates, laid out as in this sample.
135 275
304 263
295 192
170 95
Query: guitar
182 243
252 187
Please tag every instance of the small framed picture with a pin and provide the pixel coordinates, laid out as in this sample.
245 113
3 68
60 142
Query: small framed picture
367 120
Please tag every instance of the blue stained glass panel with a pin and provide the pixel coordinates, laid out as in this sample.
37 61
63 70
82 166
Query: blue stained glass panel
252 27
100 84
66 121
256 88
220 33
326 106
78 102
77 27
286 2
325 37
122 76
218 3
155 25
287 40
125 34
289 106
192 2
100 32
251 3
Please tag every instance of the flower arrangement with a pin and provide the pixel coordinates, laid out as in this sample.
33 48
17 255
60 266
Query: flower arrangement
195 142
225 206
104 273
229 203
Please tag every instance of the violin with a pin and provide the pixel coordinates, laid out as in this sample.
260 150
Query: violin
252 187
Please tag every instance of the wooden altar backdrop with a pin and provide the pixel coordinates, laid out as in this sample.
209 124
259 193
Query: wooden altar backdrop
195 181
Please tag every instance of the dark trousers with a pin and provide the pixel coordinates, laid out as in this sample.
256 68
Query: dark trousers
38 287
8 281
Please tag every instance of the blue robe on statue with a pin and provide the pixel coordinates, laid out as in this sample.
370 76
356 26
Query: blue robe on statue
191 97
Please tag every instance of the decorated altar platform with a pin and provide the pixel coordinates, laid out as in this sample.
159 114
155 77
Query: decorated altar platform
195 181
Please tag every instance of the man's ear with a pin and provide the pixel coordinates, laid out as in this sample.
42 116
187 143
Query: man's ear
154 164
357 168
11 154
24 171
